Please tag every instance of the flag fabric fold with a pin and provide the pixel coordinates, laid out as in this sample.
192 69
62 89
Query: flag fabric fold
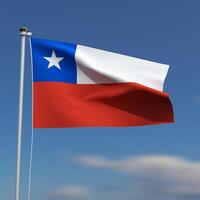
78 86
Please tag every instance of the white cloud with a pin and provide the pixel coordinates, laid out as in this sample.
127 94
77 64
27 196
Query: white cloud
93 161
157 175
71 192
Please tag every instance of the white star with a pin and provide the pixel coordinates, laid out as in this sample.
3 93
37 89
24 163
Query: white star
53 60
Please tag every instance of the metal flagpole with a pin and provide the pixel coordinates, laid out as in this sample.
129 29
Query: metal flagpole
23 33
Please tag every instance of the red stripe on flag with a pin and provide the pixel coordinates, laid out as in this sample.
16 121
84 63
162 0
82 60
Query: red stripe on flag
59 105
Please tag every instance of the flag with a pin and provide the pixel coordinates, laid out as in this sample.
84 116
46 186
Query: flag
79 86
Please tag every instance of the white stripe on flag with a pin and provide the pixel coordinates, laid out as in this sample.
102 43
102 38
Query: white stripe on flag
99 66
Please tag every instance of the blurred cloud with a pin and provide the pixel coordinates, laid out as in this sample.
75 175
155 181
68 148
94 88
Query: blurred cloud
158 177
70 192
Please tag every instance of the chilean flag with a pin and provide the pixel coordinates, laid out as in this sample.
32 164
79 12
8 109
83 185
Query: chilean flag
79 86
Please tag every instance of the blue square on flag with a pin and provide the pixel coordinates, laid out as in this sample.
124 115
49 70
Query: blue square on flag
53 61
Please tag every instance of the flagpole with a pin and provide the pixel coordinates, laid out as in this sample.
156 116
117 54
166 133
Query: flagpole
24 32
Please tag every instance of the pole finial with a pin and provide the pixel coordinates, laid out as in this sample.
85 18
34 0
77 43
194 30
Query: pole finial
24 31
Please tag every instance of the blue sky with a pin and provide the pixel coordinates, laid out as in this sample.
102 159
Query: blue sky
158 162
